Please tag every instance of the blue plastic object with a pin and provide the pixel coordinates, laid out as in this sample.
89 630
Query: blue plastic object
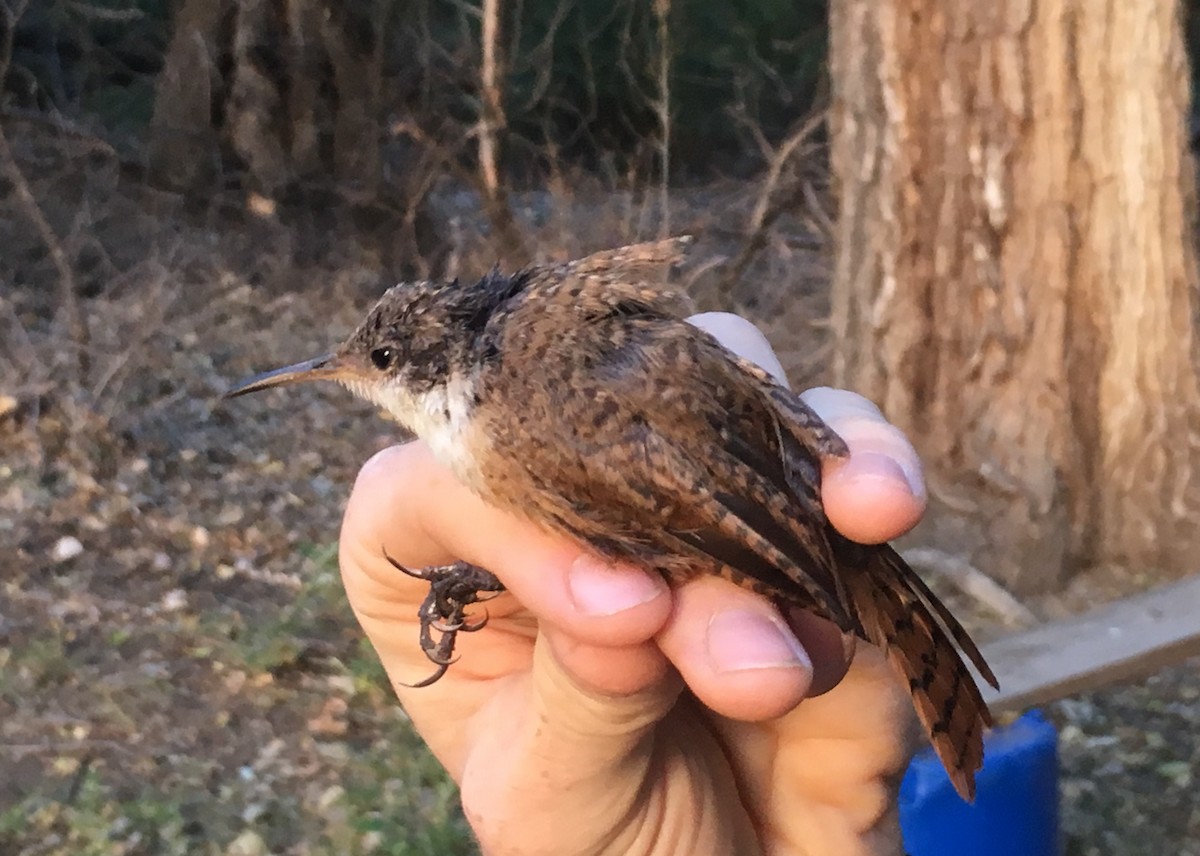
1015 812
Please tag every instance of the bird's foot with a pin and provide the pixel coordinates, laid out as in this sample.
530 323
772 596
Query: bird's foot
452 588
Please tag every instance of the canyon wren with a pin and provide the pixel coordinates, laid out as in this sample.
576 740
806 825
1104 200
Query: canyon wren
575 395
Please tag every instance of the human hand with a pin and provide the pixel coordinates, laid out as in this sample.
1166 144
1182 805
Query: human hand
564 722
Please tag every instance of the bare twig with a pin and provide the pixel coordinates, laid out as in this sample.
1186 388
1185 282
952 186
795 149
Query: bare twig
66 275
771 205
779 160
491 114
61 125
815 208
21 349
58 255
64 747
490 127
538 59
87 10
662 13
974 583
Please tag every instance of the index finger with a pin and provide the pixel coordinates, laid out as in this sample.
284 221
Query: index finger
879 492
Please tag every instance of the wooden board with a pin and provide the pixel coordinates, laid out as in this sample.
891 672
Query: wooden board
1124 641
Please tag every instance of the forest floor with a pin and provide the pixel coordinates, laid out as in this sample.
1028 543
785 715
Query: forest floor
179 671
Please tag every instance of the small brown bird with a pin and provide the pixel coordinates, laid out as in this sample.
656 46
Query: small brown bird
577 396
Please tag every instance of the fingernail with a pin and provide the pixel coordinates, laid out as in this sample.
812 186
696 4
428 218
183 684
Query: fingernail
743 338
836 404
739 640
600 588
879 467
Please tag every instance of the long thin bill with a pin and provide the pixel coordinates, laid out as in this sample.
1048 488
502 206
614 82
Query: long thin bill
320 368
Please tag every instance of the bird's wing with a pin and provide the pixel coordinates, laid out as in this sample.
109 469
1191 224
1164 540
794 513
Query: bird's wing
800 420
663 451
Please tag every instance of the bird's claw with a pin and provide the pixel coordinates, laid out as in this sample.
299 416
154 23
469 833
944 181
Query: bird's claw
477 626
451 589
441 670
463 626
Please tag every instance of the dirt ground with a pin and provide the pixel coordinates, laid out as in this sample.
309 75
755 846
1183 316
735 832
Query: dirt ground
179 672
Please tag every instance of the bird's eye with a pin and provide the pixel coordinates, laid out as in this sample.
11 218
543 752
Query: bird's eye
382 358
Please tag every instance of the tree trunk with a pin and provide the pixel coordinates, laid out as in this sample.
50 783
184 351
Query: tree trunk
1015 270
291 87
288 95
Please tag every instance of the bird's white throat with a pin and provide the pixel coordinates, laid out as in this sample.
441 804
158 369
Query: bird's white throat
441 415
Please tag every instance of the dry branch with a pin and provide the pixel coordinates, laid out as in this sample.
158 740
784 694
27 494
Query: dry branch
973 582
772 204
490 126
491 114
662 105
76 325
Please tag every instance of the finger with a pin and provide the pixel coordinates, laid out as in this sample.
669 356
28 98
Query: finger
743 338
837 761
735 651
879 492
827 647
406 504
610 670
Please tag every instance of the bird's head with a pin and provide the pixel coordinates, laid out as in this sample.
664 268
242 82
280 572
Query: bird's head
417 340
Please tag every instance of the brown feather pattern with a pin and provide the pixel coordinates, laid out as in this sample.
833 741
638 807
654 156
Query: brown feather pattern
670 452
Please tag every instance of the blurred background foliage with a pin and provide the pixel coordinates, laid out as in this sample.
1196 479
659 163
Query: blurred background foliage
96 59
578 78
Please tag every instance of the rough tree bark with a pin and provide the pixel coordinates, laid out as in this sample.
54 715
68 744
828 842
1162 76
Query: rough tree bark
1016 270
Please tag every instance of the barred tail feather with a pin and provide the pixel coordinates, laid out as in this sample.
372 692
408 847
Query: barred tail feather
902 616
